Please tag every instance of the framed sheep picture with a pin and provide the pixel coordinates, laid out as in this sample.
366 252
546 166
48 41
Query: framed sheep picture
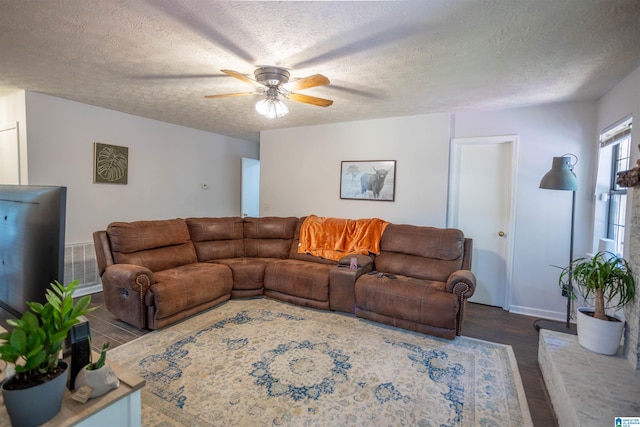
368 180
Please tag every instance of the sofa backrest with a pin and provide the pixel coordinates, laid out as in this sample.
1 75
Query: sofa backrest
423 252
217 238
104 257
157 245
269 237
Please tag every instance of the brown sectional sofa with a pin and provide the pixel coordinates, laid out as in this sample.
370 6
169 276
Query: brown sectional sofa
155 273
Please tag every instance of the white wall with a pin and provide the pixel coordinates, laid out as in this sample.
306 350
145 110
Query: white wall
300 170
620 102
167 165
543 217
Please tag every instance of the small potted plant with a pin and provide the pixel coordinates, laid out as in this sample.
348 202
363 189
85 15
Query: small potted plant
609 280
101 360
33 348
98 376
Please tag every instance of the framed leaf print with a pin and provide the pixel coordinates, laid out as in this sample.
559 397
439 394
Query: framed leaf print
110 164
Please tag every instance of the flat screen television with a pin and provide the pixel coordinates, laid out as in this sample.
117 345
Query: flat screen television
32 228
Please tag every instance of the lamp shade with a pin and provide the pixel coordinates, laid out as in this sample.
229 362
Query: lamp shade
561 176
271 108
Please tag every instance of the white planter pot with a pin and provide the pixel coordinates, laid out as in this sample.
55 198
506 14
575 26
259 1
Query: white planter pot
600 336
100 380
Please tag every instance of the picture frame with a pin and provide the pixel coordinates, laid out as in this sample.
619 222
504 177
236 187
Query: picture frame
368 180
110 164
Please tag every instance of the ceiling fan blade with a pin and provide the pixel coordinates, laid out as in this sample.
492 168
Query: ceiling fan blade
307 82
229 95
242 77
320 102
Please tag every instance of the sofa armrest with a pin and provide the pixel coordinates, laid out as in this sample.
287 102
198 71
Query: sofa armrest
130 277
124 287
462 283
342 283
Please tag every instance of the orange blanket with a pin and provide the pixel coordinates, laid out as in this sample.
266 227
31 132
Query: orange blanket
333 238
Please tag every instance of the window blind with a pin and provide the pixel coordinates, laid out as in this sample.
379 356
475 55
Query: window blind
615 134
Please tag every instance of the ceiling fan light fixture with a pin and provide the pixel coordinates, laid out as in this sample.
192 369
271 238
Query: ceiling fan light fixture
273 83
271 76
272 108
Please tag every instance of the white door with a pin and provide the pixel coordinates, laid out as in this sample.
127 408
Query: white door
9 154
481 204
250 199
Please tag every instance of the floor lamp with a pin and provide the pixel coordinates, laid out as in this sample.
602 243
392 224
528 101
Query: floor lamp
561 177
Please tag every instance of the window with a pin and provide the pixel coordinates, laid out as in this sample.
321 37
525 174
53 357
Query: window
618 142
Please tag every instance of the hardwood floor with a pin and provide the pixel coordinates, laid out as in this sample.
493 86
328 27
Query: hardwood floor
482 322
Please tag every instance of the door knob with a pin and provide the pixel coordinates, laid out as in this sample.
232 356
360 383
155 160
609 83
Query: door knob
501 233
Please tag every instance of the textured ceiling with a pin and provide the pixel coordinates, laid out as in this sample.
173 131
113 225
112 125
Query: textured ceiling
158 58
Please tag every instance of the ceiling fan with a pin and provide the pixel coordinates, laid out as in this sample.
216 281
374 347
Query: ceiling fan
273 82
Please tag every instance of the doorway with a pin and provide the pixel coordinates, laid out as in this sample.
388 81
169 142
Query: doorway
250 198
9 154
482 204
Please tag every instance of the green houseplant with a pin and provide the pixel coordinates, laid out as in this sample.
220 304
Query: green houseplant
609 280
33 347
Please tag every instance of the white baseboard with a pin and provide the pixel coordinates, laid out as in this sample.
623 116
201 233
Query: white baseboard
541 314
87 290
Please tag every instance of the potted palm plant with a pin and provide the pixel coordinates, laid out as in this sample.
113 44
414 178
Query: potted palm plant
33 348
609 280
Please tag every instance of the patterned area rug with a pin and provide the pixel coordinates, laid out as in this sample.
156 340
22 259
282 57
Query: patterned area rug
262 362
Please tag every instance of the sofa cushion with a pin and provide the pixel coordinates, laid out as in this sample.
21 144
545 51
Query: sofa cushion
415 266
298 278
248 273
429 242
157 245
269 237
216 238
406 298
127 237
187 286
423 252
